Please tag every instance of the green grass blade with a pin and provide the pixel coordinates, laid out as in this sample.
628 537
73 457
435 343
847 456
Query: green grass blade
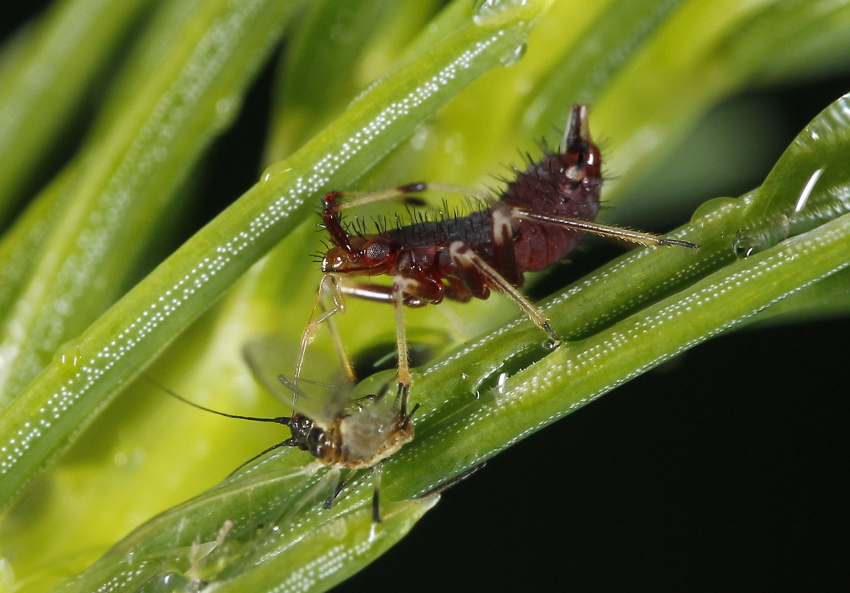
224 536
592 62
126 178
66 397
473 427
578 372
341 48
147 453
62 61
640 310
21 245
807 185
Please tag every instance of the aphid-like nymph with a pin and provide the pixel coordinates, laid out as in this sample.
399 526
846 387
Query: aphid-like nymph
346 433
539 218
356 434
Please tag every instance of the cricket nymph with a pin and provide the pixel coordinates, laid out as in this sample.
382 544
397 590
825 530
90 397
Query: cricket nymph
537 220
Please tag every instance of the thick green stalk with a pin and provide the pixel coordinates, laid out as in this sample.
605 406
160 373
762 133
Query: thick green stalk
150 449
324 68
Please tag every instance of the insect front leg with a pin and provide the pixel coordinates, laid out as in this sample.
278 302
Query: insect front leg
478 274
330 300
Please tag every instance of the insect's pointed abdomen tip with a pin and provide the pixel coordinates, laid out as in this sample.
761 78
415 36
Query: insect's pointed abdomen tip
577 135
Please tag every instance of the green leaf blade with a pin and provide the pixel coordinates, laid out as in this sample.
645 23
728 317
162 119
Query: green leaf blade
65 397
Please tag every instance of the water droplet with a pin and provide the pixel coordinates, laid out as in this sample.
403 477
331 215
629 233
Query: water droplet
744 246
7 576
716 206
489 13
516 362
803 198
70 353
273 171
226 110
754 239
169 581
338 530
420 137
513 56
500 383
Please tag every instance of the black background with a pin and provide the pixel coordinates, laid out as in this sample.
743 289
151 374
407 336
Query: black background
724 469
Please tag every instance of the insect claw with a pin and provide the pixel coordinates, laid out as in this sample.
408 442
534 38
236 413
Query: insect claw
413 188
678 243
408 417
401 398
548 329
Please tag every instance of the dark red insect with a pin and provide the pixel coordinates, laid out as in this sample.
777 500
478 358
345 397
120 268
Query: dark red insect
541 216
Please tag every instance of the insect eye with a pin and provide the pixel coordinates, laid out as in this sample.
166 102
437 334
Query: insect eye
377 250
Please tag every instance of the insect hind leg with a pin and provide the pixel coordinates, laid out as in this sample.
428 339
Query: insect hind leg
604 230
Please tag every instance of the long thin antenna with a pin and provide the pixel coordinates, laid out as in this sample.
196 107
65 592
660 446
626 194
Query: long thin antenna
285 420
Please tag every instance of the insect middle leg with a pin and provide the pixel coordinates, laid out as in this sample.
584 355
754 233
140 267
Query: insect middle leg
410 291
479 277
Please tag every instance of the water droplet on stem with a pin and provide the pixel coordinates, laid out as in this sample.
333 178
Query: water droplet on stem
513 56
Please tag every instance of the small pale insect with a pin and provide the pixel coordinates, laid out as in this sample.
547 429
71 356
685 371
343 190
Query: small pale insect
351 433
347 433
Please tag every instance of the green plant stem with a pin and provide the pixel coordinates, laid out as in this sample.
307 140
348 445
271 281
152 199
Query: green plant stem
570 377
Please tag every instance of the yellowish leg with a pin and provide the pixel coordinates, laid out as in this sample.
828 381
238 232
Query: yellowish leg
330 301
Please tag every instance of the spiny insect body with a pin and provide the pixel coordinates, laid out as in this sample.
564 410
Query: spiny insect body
539 218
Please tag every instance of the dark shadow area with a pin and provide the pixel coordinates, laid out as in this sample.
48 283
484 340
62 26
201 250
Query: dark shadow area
719 471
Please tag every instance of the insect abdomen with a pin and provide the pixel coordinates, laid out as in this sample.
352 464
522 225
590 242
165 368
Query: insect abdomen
564 184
